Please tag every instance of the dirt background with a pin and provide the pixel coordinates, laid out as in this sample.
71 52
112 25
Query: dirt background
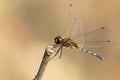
28 26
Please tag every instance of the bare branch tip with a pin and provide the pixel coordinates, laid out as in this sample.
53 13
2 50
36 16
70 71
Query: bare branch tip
50 50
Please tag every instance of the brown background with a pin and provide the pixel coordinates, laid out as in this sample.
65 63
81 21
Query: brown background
28 26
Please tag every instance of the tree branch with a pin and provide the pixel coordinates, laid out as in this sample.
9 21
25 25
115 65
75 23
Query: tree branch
48 52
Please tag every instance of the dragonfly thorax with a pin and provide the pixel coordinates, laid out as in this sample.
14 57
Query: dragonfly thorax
67 42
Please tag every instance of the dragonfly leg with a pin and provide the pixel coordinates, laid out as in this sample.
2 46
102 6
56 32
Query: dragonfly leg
57 53
60 53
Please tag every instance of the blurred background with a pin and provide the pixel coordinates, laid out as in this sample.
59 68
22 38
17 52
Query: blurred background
28 26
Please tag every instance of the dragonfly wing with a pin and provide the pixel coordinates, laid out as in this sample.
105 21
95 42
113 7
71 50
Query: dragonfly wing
96 41
75 30
97 38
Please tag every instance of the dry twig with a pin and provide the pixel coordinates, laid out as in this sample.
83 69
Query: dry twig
48 52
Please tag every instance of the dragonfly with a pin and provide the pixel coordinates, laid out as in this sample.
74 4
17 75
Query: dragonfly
76 38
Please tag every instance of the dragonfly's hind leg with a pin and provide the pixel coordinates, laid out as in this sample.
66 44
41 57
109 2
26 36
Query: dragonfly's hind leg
59 50
60 53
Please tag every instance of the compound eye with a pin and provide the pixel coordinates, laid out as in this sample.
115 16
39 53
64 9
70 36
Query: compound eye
58 39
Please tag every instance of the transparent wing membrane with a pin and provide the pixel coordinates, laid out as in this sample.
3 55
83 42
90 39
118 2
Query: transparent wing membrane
75 30
97 38
94 39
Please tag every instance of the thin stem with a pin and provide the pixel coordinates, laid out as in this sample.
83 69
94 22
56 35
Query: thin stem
48 52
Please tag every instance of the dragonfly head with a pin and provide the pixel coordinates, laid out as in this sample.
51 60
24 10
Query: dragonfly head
58 39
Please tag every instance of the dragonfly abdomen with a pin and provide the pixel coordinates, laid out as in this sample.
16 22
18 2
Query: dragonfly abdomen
92 53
